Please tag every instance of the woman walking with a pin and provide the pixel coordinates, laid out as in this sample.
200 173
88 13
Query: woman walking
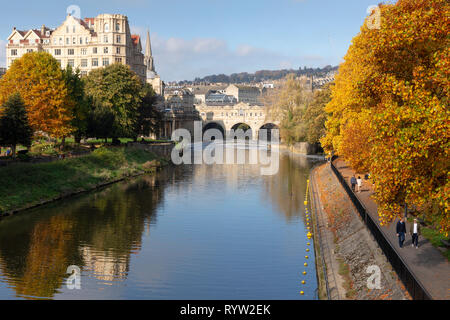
359 183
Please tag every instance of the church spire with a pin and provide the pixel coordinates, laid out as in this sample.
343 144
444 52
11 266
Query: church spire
148 54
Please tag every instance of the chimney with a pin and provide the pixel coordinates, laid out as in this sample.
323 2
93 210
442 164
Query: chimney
14 29
43 30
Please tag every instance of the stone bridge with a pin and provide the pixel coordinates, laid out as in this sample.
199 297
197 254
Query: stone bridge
227 118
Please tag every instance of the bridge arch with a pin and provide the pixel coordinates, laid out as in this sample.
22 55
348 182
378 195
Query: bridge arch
269 127
214 125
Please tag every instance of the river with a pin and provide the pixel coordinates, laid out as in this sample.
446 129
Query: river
189 232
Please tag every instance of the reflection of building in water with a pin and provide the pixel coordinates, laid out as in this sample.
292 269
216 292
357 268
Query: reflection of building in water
105 265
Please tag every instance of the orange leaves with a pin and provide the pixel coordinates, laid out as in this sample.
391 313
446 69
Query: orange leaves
395 81
39 79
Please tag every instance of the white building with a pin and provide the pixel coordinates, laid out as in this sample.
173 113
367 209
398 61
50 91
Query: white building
83 43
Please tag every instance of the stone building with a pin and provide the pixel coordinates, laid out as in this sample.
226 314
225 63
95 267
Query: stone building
243 93
83 43
2 72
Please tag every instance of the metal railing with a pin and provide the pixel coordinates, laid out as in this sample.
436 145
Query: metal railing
412 284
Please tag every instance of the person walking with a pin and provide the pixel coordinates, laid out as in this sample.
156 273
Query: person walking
414 230
353 183
359 182
401 231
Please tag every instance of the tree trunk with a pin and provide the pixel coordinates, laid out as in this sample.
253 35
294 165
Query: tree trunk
13 148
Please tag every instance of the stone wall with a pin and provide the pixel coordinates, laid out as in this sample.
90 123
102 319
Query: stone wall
163 150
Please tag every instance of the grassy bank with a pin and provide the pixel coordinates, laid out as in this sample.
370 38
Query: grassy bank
24 185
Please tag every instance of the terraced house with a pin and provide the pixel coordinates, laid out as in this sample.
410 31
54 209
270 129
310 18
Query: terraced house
83 43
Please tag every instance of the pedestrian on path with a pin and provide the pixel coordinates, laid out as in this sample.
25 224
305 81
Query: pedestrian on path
414 230
359 182
353 183
401 231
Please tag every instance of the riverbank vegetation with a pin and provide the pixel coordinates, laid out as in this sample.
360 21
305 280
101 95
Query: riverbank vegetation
301 113
389 109
110 102
25 185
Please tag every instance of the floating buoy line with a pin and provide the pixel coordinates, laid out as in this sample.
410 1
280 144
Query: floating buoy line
308 235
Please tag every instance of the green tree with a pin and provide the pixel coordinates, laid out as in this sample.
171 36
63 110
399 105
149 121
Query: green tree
14 126
118 89
149 118
75 88
316 116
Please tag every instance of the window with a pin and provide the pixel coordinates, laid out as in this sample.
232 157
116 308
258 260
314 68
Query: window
14 52
83 51
118 60
118 50
105 62
67 29
70 52
55 41
29 50
95 62
81 40
74 40
71 62
67 41
118 39
57 52
83 73
74 29
59 61
84 63
117 26
86 40
105 39
60 41
94 50
106 29
105 50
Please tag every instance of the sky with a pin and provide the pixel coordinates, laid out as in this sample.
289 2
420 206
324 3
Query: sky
202 37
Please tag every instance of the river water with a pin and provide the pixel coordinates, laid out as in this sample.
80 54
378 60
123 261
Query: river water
189 232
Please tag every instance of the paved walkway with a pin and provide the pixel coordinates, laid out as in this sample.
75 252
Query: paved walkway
427 262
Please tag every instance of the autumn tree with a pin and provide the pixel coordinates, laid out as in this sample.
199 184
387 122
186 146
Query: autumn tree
393 90
316 116
14 126
38 78
118 89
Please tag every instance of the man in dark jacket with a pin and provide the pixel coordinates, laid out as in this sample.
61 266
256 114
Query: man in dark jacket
353 183
401 231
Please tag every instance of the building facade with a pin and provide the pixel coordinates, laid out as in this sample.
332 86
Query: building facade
245 94
85 44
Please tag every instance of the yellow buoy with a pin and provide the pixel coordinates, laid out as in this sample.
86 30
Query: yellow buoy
306 264
304 273
309 235
303 282
302 293
305 203
308 244
306 257
307 250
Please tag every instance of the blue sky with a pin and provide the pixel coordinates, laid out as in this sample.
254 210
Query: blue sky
202 37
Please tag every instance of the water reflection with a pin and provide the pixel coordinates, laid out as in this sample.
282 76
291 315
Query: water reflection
197 232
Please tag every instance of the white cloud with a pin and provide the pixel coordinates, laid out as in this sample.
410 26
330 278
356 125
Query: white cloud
185 59
2 53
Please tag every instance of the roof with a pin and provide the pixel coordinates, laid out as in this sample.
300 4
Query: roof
206 89
136 39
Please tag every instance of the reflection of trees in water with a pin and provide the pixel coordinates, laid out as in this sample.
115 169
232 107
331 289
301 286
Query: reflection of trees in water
97 232
286 190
